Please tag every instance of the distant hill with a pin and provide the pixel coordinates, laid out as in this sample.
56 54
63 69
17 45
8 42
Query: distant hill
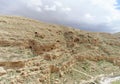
34 52
117 34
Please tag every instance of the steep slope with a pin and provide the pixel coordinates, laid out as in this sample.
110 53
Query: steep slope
33 52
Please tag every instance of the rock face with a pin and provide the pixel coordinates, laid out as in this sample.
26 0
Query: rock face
32 52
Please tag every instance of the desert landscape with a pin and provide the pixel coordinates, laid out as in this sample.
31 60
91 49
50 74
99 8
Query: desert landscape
34 52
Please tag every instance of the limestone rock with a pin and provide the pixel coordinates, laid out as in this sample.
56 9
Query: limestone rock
2 71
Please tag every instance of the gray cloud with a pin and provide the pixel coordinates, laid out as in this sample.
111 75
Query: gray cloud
89 15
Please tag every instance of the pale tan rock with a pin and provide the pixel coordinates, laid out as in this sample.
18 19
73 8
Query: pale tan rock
2 71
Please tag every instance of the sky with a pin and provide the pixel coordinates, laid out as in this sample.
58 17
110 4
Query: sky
91 15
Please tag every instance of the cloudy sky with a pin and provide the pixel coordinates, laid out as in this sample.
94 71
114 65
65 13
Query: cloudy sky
92 15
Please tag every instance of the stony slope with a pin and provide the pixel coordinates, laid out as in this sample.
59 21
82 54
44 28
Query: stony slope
117 35
33 52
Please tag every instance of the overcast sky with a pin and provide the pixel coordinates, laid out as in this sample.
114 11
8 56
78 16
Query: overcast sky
92 15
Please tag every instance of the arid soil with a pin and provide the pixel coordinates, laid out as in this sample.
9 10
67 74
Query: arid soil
33 52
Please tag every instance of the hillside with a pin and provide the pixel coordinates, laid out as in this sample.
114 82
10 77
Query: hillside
33 52
117 35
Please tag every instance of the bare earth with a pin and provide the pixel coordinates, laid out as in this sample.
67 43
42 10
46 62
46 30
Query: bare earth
33 52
